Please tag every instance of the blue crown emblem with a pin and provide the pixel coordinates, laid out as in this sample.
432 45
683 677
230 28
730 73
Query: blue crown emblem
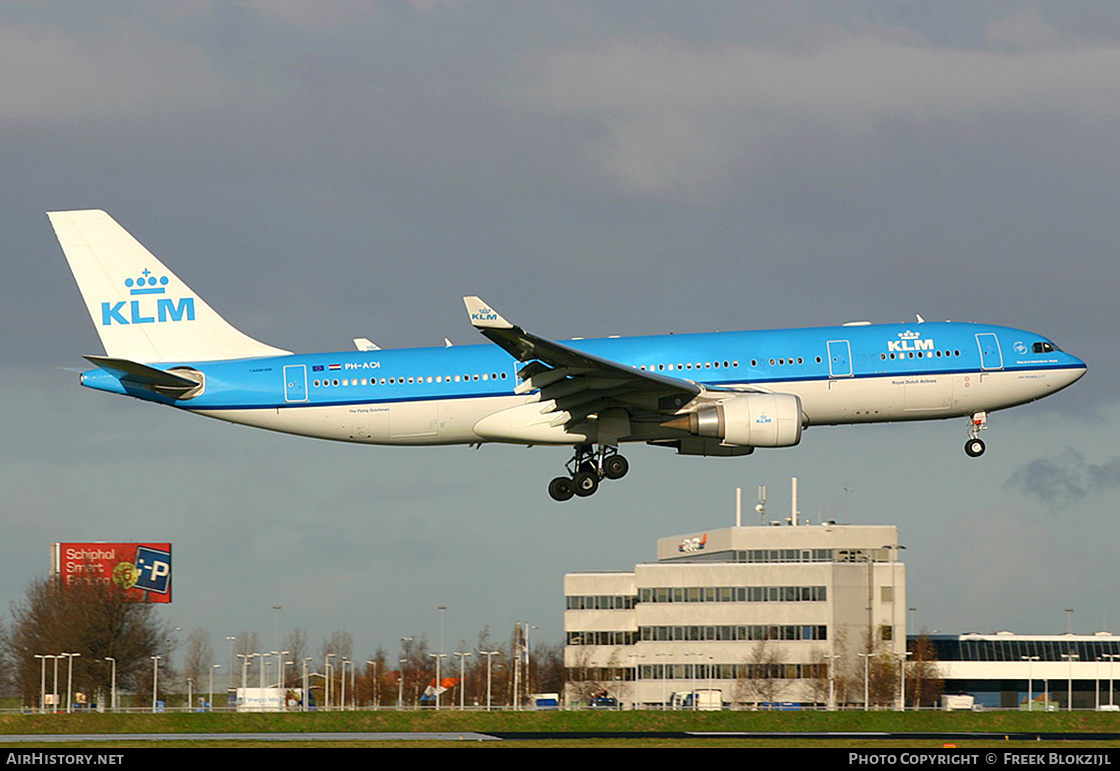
146 284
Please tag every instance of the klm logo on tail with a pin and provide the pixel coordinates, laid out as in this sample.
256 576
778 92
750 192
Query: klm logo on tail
484 314
141 311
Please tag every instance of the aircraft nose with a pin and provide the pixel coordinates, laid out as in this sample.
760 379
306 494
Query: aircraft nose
1075 372
1080 365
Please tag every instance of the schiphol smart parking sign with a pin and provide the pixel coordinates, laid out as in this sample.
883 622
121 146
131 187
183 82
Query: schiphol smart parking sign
142 569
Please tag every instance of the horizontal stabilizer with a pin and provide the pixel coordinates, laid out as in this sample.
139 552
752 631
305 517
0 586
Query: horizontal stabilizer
178 384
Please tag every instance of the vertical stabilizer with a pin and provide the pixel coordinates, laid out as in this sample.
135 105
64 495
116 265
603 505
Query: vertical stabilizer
141 310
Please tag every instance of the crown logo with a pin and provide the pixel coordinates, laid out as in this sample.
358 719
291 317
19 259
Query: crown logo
146 283
908 335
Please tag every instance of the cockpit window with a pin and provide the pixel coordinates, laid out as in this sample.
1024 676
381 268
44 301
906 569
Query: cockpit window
1045 347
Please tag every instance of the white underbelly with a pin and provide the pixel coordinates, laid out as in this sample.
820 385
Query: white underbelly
429 422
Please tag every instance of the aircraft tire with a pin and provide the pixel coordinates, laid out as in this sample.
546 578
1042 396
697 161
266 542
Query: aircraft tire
615 467
974 448
561 489
585 483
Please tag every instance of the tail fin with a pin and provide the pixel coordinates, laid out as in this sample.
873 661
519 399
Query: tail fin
141 310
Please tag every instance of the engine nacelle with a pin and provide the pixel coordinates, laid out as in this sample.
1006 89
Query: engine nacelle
750 420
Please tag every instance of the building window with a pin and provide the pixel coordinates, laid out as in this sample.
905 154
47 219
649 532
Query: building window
664 594
747 632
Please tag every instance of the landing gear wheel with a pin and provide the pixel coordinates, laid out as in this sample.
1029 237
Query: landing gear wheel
585 483
974 448
561 489
587 468
615 467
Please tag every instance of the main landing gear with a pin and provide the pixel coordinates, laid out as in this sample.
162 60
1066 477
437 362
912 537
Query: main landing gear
974 447
586 468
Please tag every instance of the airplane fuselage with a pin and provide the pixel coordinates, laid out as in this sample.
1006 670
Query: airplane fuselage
429 396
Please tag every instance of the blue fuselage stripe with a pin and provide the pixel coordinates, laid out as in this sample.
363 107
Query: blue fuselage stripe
715 359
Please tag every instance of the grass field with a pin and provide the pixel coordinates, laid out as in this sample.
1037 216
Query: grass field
640 722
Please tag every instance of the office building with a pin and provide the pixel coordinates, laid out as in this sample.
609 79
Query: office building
763 615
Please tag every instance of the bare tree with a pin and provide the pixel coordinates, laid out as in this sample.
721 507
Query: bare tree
97 621
549 667
298 647
340 646
923 676
244 647
415 670
375 686
586 681
198 657
819 680
479 665
765 677
883 676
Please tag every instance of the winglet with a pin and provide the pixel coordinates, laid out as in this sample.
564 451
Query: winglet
482 316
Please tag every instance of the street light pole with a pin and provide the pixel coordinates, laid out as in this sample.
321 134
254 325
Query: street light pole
1030 681
42 681
373 685
211 697
866 680
280 668
306 693
400 684
113 686
489 661
342 692
155 680
832 659
1111 658
902 680
404 670
70 679
1070 657
529 659
439 676
442 652
462 676
54 695
229 672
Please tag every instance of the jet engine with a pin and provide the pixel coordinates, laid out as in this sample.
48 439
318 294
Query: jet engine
750 420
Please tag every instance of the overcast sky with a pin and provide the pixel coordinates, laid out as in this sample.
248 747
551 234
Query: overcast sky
329 170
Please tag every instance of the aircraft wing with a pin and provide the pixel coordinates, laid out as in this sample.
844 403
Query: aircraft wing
578 382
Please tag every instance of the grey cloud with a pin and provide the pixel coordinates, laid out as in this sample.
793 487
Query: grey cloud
1065 478
675 113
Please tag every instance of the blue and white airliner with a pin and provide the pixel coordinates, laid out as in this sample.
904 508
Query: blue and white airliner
714 394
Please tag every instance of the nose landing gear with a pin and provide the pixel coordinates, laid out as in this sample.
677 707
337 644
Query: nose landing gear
586 469
975 447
